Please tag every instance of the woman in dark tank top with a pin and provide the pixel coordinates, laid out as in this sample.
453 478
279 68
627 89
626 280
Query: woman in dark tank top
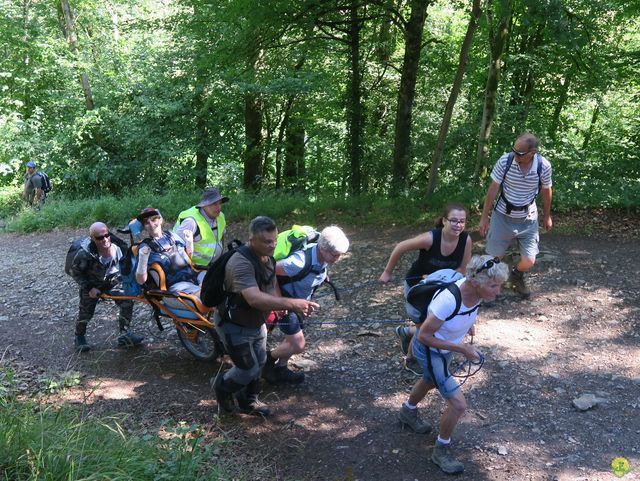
448 246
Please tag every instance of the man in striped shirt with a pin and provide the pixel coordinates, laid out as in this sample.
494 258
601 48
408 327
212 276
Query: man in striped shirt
515 215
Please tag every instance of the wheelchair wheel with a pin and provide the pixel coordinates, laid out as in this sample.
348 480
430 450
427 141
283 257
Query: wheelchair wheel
202 342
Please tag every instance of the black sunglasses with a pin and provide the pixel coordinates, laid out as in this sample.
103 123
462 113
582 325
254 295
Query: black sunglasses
518 153
488 265
101 237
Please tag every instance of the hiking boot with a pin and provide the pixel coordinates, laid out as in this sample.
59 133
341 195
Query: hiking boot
412 365
409 418
405 338
81 344
441 457
130 339
250 404
223 396
517 281
282 375
269 370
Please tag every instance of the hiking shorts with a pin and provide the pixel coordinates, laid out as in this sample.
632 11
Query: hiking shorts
414 314
503 229
291 324
435 367
247 348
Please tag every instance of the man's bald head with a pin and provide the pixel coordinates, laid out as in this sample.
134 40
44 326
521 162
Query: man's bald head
527 143
98 228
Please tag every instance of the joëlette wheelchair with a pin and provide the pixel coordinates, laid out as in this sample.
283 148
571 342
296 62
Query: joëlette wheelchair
192 319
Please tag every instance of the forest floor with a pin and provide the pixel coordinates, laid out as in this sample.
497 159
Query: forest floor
578 334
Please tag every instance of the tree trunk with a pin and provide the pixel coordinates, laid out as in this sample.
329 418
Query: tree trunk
355 115
73 45
406 94
476 11
497 41
562 101
202 151
592 125
294 154
253 130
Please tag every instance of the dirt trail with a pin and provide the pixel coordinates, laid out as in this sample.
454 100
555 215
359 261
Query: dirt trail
578 334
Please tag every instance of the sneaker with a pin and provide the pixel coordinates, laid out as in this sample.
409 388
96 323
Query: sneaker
223 397
409 418
517 281
130 339
81 344
412 365
405 338
441 457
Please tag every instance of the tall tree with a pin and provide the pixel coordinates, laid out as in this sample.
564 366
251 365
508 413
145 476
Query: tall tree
406 93
70 33
253 154
438 152
497 38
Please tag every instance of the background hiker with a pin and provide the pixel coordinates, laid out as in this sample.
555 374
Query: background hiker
96 270
448 246
33 192
240 319
168 250
298 276
433 346
518 176
202 228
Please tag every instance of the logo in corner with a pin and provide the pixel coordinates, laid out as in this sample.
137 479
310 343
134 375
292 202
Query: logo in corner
620 466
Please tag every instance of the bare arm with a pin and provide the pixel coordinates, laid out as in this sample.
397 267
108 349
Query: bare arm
547 194
488 204
266 302
426 336
422 241
462 269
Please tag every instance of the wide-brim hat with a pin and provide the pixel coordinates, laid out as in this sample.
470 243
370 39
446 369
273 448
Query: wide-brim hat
148 212
211 195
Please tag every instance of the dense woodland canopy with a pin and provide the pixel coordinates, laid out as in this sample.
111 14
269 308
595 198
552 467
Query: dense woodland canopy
343 97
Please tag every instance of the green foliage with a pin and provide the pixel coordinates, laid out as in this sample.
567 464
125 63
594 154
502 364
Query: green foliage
169 84
46 442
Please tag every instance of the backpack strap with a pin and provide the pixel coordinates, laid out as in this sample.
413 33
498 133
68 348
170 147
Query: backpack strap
304 272
457 295
509 205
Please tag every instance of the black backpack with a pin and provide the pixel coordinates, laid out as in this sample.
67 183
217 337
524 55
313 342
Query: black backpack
213 293
421 295
75 246
46 182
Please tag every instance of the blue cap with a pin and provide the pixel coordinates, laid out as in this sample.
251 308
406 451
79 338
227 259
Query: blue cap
31 164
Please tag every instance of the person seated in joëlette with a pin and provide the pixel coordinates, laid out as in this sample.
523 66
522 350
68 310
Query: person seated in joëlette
168 250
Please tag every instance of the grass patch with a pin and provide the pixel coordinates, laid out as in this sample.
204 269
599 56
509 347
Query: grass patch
45 442
285 209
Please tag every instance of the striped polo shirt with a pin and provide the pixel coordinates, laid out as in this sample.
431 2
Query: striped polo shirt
518 188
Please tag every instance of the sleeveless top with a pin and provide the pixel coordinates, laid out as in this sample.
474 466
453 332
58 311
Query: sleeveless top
431 260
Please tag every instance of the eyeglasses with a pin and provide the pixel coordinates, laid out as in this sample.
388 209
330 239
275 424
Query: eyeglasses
518 153
488 265
457 221
101 237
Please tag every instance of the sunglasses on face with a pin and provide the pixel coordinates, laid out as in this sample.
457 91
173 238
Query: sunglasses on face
101 237
488 265
518 153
